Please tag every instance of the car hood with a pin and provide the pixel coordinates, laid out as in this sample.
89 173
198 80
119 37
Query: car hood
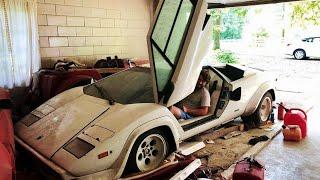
84 115
49 133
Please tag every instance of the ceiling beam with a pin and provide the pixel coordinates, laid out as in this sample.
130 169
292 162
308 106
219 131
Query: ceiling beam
226 4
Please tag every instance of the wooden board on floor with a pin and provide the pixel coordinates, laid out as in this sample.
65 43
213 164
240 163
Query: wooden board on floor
215 134
187 148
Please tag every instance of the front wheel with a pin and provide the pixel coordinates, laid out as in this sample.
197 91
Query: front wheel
261 114
149 150
299 54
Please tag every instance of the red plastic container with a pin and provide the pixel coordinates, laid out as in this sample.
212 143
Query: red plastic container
296 116
292 133
248 170
281 111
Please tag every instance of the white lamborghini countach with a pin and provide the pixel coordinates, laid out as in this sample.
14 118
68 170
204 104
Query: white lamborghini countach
122 123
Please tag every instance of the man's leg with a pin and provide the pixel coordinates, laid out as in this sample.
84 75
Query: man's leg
175 111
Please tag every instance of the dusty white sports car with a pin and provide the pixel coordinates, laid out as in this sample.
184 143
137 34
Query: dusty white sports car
122 123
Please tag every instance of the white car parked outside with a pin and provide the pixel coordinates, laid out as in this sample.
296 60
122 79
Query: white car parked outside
304 48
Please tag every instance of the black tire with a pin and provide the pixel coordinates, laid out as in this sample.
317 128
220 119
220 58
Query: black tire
131 166
299 54
255 119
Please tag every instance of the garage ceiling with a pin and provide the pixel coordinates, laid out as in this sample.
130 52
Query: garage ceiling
234 3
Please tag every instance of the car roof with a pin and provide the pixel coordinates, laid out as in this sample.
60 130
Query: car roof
311 37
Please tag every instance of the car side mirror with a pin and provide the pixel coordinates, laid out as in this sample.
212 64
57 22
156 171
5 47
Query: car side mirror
5 104
236 94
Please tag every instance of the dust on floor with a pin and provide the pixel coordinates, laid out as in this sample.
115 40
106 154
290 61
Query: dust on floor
224 152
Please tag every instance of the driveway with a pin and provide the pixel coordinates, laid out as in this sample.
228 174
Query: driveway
298 81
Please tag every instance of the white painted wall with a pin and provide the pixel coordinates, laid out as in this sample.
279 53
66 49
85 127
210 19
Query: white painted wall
88 30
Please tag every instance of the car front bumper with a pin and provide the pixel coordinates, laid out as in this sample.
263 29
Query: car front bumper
56 170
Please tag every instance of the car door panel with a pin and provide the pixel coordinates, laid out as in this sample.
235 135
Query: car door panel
174 51
315 47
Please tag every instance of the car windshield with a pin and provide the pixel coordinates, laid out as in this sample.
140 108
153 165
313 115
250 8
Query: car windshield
127 87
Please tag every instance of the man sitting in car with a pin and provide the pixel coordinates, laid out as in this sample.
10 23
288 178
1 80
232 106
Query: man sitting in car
197 103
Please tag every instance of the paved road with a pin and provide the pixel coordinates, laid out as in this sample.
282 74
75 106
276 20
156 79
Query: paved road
286 66
298 80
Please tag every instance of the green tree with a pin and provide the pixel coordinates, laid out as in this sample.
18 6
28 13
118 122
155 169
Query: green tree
216 28
305 13
262 33
232 23
228 24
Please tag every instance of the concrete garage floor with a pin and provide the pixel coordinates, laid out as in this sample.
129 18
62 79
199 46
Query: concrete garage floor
294 160
298 84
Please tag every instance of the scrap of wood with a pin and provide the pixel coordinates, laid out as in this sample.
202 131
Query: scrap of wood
203 154
253 151
232 134
221 132
187 148
184 173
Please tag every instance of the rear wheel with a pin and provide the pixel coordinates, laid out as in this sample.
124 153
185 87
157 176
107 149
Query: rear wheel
261 114
299 54
149 150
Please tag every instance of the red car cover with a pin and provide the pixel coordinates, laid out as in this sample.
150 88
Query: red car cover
54 82
7 149
6 166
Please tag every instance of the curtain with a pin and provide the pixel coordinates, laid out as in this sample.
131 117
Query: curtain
19 45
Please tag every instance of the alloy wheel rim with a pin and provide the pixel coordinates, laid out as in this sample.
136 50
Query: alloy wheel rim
299 54
265 109
151 152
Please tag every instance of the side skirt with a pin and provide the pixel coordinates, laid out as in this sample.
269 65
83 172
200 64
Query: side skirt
198 123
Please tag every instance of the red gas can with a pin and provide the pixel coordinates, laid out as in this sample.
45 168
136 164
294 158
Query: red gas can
291 133
296 116
248 169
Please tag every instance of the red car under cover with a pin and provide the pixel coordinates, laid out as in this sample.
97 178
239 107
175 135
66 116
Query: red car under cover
7 148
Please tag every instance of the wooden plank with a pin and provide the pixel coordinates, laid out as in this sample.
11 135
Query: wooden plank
184 173
254 150
187 148
215 134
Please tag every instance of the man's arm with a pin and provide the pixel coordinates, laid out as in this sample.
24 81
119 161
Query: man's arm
201 111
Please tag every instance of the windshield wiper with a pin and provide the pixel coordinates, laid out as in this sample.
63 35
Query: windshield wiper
105 94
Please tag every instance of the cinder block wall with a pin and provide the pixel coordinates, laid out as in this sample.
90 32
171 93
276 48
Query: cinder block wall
88 30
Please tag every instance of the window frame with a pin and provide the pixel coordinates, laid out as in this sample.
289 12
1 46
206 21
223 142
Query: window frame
166 90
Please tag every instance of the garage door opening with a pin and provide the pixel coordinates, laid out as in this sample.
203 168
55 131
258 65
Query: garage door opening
283 40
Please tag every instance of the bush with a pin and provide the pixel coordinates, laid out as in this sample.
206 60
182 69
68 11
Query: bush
227 57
